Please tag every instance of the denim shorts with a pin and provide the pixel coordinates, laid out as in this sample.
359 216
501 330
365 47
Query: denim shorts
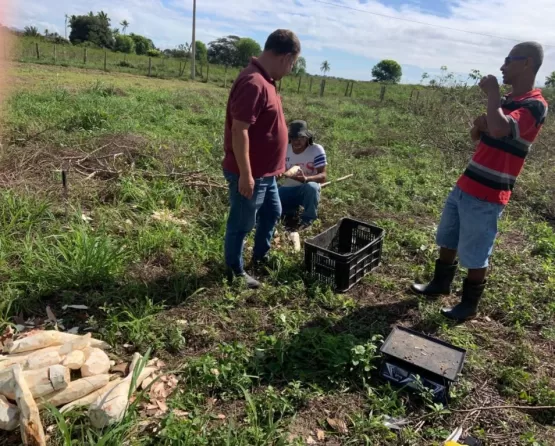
469 225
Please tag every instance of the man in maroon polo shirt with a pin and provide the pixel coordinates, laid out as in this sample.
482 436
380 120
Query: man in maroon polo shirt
255 148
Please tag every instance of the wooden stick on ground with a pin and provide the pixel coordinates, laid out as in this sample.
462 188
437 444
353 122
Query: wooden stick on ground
338 180
505 408
32 432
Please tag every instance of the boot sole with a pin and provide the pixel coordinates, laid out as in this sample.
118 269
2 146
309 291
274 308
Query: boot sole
431 296
459 320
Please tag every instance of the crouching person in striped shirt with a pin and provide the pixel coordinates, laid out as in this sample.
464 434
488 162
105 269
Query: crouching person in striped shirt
468 225
304 188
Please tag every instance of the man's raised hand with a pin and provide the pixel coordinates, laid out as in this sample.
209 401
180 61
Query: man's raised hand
489 84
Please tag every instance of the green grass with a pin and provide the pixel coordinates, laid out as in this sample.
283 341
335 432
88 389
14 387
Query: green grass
281 361
24 50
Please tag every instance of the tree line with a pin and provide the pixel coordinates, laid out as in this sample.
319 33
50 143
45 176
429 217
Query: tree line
230 51
96 30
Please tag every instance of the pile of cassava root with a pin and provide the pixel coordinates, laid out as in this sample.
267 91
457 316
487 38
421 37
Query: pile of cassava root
67 370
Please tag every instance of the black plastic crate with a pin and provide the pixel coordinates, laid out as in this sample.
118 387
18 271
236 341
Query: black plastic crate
345 253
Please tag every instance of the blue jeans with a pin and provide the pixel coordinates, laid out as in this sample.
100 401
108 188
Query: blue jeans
306 195
263 209
469 226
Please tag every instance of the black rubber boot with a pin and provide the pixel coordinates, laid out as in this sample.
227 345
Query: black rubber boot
468 307
440 284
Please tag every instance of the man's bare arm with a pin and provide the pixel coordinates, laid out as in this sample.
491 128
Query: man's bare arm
320 177
498 124
240 143
475 133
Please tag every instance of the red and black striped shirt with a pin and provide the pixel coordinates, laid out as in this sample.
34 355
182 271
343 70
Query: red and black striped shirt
497 162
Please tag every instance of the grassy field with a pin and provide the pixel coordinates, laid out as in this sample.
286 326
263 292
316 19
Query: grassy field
137 236
24 49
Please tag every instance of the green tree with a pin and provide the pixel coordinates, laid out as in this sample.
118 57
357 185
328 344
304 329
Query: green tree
550 80
300 66
475 75
31 31
124 44
246 49
142 44
387 71
223 51
91 28
201 52
325 67
124 25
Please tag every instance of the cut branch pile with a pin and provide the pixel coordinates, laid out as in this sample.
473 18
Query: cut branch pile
51 368
107 158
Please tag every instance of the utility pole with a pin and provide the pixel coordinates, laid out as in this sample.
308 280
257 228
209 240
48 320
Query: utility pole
194 42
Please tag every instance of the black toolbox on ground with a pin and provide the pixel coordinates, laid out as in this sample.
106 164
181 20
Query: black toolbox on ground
414 360
344 254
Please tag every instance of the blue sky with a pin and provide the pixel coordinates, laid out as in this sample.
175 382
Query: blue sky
353 35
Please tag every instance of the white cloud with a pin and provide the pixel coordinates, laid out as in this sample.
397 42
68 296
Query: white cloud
325 27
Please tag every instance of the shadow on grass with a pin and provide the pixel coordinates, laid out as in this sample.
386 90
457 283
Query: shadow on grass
324 351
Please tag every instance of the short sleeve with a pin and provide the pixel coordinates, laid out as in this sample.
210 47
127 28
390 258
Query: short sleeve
526 121
247 102
320 159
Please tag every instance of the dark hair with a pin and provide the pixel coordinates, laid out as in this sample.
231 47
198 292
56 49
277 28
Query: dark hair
283 41
310 141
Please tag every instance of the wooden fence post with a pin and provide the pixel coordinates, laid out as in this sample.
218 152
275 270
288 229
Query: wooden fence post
310 88
322 87
347 89
150 66
207 72
105 60
55 55
382 93
85 56
300 80
417 95
37 50
351 90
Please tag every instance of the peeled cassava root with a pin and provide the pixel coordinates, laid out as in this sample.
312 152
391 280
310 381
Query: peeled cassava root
292 172
110 407
96 363
32 432
48 339
9 414
40 382
91 397
74 360
47 356
76 390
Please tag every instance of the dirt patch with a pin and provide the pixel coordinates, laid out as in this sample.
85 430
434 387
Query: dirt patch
369 152
513 241
313 417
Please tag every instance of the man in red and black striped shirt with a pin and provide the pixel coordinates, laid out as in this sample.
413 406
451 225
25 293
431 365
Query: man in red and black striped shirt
468 224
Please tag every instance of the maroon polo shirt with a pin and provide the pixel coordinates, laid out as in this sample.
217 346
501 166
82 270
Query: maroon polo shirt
254 99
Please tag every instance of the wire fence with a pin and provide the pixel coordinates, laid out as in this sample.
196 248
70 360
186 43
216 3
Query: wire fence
43 52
